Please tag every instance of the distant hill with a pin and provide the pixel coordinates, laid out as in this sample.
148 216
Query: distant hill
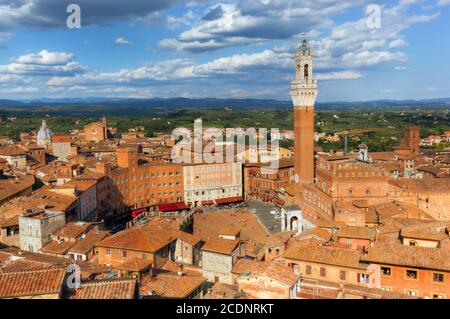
157 106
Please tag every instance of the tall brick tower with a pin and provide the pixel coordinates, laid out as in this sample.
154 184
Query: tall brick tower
412 138
304 92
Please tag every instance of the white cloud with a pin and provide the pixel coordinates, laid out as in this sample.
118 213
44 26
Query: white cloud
19 90
247 22
44 63
122 41
45 58
397 43
4 37
344 75
443 2
52 13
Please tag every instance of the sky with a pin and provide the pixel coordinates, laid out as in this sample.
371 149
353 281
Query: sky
363 50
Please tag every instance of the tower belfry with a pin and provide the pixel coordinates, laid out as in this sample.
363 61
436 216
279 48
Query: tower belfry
304 93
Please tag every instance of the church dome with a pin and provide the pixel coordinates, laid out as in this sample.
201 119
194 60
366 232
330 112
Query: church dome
44 135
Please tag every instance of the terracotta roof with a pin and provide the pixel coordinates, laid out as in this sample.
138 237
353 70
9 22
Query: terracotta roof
191 270
430 231
106 289
31 282
318 233
14 259
357 232
9 222
58 248
278 239
409 256
272 270
87 243
328 289
138 238
61 138
231 230
223 291
220 245
10 185
187 238
423 185
322 223
136 265
72 230
11 151
325 255
210 224
400 209
80 185
171 285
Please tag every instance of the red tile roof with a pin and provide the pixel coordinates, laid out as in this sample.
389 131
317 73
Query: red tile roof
325 255
409 256
107 289
171 285
31 282
272 270
87 243
138 238
61 138
220 245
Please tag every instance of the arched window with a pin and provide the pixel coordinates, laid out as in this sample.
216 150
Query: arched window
306 71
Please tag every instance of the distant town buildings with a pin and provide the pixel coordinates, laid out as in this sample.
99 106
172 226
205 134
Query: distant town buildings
138 223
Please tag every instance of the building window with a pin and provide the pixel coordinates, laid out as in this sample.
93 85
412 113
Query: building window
308 270
343 275
144 256
386 271
413 243
411 274
323 272
124 253
437 277
436 296
108 252
411 292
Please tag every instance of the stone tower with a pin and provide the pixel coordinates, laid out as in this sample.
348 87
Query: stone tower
412 138
304 92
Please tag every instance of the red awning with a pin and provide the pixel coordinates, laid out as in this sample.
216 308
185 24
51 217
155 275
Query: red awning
172 207
229 200
207 202
137 212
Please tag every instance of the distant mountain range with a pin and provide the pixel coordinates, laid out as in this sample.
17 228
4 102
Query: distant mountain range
122 106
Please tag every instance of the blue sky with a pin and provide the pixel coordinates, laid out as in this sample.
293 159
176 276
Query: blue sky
239 49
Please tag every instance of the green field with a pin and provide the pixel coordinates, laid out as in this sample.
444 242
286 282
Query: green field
432 121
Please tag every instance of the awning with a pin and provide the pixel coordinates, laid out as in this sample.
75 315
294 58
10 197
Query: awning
207 202
172 207
137 212
229 200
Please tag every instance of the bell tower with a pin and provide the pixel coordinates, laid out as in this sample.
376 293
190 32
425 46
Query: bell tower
304 93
